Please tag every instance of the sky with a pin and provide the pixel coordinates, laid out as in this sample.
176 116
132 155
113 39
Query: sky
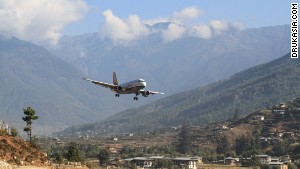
45 21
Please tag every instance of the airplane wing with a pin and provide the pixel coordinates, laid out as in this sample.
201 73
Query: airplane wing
146 92
106 85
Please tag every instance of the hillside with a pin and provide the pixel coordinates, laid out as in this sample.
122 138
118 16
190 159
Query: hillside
31 76
18 152
249 90
178 65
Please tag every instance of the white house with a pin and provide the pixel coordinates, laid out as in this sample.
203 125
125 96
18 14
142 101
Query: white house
277 165
264 159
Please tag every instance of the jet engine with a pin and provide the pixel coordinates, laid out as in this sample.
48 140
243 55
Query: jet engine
146 94
120 88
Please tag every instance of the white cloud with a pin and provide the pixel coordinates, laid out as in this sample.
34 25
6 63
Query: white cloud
186 15
201 31
237 25
132 28
122 30
183 16
219 26
174 31
39 20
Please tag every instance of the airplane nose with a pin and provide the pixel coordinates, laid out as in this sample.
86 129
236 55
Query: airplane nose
144 84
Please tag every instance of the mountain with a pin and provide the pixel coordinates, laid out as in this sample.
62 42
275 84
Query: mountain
175 66
247 91
31 76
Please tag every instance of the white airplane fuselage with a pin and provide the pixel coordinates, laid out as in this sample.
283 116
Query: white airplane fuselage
131 87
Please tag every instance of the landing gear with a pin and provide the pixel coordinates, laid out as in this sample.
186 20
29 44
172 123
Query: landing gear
136 98
117 95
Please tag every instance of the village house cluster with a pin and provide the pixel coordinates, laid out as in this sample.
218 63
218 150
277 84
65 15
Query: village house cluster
272 162
185 162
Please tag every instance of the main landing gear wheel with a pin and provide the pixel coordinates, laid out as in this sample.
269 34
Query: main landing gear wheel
117 95
135 98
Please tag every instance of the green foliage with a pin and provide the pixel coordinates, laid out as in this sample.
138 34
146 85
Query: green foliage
3 132
29 117
223 146
292 166
74 154
237 115
185 143
280 149
14 132
59 158
255 161
104 156
246 146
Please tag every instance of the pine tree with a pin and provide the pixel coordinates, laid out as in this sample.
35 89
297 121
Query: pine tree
74 154
237 115
223 146
185 143
29 117
104 156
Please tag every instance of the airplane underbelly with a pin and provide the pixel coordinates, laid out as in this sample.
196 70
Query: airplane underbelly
130 90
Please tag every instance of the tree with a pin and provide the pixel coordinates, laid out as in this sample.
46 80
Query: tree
224 145
74 154
237 115
14 132
104 156
185 143
246 145
255 161
29 117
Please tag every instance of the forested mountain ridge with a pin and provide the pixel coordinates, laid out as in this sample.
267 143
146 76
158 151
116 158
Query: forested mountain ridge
249 90
32 76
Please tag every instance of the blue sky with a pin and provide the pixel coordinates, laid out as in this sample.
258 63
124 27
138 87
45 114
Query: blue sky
46 21
252 13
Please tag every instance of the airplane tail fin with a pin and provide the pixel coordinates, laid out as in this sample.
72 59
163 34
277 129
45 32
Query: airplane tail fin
115 80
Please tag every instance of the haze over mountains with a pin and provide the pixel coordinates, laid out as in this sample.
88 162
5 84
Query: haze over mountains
32 76
178 65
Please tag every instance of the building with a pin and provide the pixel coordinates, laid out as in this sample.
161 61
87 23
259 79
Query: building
278 165
143 162
114 148
231 161
190 162
264 159
184 162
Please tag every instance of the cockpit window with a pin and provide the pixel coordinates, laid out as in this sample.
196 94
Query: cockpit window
141 80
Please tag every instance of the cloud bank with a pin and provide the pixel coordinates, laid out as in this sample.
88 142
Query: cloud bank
122 30
39 21
126 30
42 22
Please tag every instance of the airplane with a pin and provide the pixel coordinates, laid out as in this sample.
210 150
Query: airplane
133 87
